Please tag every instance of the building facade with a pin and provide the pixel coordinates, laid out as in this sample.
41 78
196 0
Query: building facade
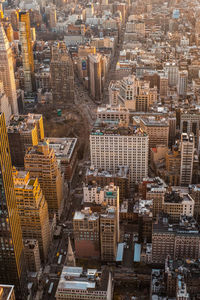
108 234
95 75
32 255
86 234
33 210
12 267
24 131
7 71
27 51
187 158
120 178
62 77
41 162
180 240
114 147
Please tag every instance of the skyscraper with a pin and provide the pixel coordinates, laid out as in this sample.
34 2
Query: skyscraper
24 131
12 269
62 77
182 83
27 51
95 74
187 158
33 210
41 162
7 71
4 103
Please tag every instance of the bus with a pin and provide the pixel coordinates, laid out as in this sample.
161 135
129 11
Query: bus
59 259
50 288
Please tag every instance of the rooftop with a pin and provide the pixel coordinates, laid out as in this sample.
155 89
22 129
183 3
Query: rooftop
85 214
112 109
155 184
19 123
143 207
186 226
63 147
121 172
152 122
112 128
76 279
175 197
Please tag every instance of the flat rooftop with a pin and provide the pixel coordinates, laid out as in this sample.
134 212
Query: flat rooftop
175 197
155 184
76 279
112 109
143 207
63 147
19 123
152 122
85 214
121 172
21 180
186 226
112 128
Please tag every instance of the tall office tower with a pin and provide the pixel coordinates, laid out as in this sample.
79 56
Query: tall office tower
7 71
182 83
172 72
187 158
108 234
112 147
190 123
27 51
163 86
33 210
12 268
24 131
95 75
173 165
4 104
41 162
62 77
